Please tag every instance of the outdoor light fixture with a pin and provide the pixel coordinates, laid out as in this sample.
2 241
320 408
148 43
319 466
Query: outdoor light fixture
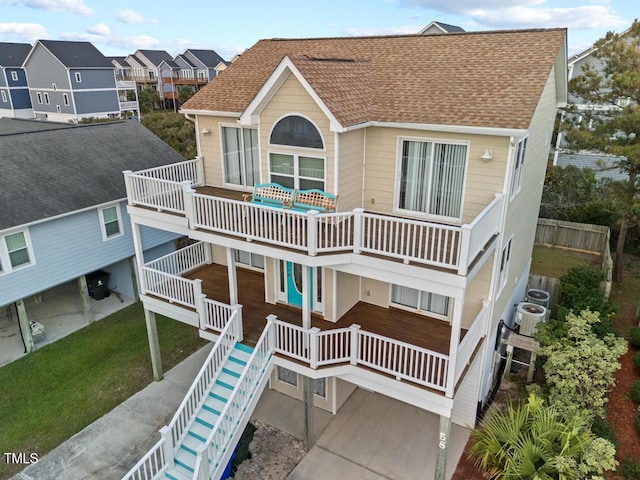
205 131
487 155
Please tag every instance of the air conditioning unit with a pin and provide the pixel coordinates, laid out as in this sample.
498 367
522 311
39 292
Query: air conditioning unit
528 315
538 296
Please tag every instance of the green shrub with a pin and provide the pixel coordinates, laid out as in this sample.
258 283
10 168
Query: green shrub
630 469
636 360
635 392
638 421
603 429
634 336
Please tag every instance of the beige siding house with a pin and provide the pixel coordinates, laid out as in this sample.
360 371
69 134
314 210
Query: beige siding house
374 197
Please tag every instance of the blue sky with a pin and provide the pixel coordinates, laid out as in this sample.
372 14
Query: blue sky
119 27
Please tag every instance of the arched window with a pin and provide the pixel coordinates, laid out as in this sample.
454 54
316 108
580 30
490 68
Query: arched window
296 131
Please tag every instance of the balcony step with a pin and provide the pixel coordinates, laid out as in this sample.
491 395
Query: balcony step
176 474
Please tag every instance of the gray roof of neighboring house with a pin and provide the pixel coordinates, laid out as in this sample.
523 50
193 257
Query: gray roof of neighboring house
50 169
601 165
77 54
13 54
157 57
209 57
120 60
185 60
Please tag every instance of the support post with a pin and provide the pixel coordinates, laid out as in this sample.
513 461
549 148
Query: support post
306 297
354 344
233 277
25 329
307 393
454 342
134 278
86 301
507 368
313 347
167 446
532 367
154 344
312 232
443 442
358 224
137 247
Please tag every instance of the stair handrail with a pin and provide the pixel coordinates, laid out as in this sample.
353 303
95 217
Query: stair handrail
263 351
150 465
197 392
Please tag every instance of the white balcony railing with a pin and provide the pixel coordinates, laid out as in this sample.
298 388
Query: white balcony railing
125 84
451 247
471 340
129 105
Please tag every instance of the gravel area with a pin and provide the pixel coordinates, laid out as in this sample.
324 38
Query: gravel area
274 454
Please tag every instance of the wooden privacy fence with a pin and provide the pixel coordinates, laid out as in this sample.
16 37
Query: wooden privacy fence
583 237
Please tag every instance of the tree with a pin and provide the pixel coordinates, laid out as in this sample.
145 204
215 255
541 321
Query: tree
147 99
610 127
175 130
535 442
184 94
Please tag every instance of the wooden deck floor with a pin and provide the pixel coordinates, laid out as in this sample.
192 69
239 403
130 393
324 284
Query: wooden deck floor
425 332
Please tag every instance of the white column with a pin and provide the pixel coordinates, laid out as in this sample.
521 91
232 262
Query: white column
137 247
306 297
456 325
233 277
23 319
84 296
309 428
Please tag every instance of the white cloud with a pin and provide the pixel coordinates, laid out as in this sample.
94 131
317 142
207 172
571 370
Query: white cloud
505 14
100 29
27 32
130 16
75 6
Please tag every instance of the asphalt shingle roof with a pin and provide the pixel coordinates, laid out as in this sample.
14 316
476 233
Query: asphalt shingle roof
77 54
13 54
489 79
157 57
50 169
209 57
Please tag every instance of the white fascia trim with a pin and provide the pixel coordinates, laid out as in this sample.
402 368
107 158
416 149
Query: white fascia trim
68 214
210 113
270 87
493 131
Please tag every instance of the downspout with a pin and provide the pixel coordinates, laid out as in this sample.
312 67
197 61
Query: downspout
194 120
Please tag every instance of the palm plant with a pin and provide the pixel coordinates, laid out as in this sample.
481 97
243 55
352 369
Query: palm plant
533 442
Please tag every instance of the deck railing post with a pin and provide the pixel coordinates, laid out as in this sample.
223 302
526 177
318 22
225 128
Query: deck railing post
189 207
358 228
313 347
463 249
272 334
199 171
203 456
201 308
128 186
239 328
312 232
167 446
355 333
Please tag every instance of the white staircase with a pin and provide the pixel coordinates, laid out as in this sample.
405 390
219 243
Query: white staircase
208 415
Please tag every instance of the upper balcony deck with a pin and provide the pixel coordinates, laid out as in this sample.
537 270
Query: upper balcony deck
171 189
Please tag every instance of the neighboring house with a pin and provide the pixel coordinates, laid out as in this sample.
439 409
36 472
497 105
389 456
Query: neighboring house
430 149
435 28
14 91
69 81
206 62
602 165
160 65
64 211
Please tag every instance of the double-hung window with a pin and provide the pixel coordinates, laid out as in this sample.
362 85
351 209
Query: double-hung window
240 154
110 222
431 178
518 167
15 251
420 301
302 168
504 265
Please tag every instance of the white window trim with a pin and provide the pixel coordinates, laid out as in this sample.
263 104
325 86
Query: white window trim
78 77
396 187
65 98
46 98
4 96
518 166
235 186
426 313
293 147
103 228
296 166
4 252
39 98
503 268
14 76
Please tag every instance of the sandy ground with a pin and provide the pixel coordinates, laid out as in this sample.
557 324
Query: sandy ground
274 454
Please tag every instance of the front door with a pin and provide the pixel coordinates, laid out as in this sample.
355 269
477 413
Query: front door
294 284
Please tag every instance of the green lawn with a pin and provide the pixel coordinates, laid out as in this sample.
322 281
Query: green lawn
554 262
53 393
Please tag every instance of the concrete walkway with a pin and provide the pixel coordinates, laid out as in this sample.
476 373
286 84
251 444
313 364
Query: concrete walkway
372 437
